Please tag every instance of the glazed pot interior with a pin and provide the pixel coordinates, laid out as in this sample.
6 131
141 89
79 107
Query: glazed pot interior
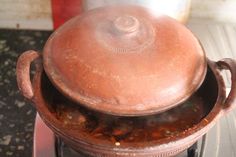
129 130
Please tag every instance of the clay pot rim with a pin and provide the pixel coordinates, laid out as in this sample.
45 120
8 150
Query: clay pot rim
193 132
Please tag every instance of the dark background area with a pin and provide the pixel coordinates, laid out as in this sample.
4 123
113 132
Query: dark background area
17 115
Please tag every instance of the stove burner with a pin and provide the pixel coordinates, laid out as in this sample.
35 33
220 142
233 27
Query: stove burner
193 150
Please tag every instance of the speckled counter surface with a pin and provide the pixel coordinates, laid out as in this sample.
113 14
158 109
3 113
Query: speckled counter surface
16 114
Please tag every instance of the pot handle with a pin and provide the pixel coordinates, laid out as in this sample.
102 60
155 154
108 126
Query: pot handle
23 72
229 64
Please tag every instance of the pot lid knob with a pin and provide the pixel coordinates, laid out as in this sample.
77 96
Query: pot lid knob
123 60
126 24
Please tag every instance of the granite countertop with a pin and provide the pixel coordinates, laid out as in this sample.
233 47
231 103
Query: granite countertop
17 115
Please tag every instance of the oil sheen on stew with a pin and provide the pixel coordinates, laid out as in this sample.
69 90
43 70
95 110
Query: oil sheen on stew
131 129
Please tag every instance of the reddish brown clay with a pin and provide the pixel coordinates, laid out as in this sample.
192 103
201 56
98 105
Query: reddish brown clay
125 61
165 147
229 64
23 70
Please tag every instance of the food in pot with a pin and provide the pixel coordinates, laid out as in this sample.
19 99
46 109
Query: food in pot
130 129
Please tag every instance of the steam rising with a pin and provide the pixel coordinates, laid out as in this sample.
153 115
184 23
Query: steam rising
168 7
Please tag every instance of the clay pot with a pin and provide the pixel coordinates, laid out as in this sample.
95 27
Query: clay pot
46 98
118 81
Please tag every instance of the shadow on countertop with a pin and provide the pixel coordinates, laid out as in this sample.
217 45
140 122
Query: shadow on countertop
16 114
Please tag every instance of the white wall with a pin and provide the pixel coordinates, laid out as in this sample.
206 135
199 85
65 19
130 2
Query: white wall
220 10
36 14
25 14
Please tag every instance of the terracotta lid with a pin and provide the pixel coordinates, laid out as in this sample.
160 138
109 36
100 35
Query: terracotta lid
125 61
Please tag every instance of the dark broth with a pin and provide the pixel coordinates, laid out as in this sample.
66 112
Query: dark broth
131 129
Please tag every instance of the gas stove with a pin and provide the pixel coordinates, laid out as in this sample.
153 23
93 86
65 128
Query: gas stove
220 141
